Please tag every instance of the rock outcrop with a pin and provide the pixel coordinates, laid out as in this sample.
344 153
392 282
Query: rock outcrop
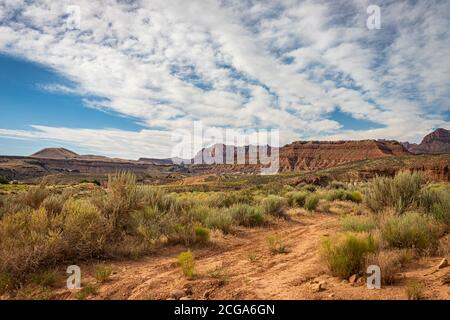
437 142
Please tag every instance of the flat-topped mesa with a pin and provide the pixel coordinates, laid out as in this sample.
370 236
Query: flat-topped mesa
311 155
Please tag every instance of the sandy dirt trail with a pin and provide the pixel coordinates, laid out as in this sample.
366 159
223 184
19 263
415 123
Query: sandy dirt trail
241 266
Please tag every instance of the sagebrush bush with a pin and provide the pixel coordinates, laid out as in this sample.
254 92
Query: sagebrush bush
45 278
296 198
345 255
311 202
220 219
400 192
29 239
337 185
151 224
186 262
85 229
102 273
53 204
202 234
276 244
354 196
410 230
390 263
35 195
337 194
274 205
358 223
414 289
246 215
436 203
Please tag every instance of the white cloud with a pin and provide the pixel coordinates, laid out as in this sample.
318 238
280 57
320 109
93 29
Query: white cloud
168 63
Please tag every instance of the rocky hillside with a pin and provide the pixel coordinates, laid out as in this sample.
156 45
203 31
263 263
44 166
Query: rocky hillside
437 142
313 155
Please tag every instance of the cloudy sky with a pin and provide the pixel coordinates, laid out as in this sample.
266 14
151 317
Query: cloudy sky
133 73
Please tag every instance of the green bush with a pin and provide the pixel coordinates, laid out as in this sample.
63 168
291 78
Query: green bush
354 196
246 215
296 198
3 180
337 185
345 255
220 219
436 203
151 224
410 230
187 264
85 229
337 194
414 289
358 223
274 205
102 273
53 204
45 278
400 192
311 202
202 235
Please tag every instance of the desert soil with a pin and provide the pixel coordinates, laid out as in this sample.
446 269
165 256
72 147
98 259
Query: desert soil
246 269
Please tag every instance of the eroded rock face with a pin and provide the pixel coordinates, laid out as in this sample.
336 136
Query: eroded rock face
437 142
312 155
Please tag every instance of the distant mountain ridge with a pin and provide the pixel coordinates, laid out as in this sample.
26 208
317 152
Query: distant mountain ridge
437 142
55 153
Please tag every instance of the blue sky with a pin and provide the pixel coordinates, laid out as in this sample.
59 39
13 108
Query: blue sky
131 75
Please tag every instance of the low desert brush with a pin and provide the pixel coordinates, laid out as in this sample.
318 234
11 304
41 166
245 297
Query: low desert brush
345 254
187 264
358 223
202 234
246 215
102 273
311 202
414 290
274 205
276 244
410 230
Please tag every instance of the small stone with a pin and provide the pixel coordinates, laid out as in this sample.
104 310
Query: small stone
178 294
344 281
331 295
353 278
317 287
443 263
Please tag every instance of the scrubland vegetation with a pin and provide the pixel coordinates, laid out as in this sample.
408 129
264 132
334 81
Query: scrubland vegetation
43 227
406 218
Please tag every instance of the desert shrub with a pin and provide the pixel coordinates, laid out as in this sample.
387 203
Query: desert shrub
220 219
102 273
85 229
200 212
122 198
358 223
246 215
354 196
187 264
296 198
202 235
345 255
3 180
307 187
410 230
6 282
311 202
45 278
227 199
53 204
390 263
10 204
414 289
337 194
436 203
276 244
337 185
28 241
35 195
274 205
400 192
85 292
150 224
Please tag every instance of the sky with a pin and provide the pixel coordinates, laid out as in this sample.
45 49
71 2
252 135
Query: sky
128 78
